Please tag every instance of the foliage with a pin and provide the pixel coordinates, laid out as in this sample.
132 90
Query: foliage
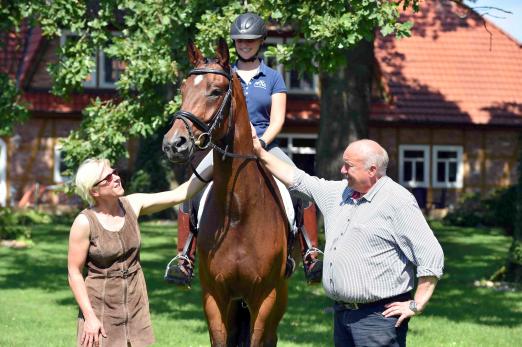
12 111
18 224
154 173
149 37
494 210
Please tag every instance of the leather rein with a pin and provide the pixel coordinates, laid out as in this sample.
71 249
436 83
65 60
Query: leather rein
204 140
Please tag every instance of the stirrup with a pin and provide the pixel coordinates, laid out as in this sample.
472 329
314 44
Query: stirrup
311 250
313 268
175 275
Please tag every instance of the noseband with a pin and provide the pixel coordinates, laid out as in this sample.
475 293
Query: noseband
204 140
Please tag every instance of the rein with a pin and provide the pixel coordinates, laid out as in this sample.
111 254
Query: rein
204 140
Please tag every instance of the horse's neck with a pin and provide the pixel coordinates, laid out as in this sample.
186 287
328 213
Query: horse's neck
239 141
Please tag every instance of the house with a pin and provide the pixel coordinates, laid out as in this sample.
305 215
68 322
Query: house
449 114
30 160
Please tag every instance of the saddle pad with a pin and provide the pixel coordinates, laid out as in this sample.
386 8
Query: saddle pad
285 194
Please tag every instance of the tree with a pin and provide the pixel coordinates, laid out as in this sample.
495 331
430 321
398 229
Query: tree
151 38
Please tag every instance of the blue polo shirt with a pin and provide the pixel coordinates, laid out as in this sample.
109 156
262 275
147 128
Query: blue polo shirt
258 94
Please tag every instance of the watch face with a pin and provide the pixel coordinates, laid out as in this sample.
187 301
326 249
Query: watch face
413 306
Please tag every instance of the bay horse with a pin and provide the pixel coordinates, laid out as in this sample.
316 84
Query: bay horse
243 232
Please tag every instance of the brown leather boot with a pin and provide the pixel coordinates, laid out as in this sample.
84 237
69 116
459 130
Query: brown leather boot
312 265
180 269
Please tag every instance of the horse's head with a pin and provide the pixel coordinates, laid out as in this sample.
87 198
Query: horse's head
206 96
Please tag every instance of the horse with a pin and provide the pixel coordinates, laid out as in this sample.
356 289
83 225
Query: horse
242 238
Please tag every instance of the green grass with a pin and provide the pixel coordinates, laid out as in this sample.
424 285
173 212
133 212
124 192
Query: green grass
37 307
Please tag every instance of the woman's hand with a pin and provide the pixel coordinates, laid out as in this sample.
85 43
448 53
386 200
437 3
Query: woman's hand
92 329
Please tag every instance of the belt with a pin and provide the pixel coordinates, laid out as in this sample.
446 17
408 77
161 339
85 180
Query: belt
356 306
124 273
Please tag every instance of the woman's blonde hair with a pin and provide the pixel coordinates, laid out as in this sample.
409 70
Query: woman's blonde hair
87 175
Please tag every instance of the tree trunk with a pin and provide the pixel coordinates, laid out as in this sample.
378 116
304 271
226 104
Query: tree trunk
345 108
514 261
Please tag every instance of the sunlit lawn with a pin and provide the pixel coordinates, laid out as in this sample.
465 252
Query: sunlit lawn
37 308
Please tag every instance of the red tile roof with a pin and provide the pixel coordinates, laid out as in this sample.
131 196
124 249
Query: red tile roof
46 102
451 70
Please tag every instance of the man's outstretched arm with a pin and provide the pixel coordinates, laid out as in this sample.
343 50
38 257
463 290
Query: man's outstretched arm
283 171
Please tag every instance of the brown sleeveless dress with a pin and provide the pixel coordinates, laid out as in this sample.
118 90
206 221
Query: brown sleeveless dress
115 283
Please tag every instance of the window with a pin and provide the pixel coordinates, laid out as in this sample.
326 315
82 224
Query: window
304 83
59 165
447 169
301 149
107 70
296 83
413 165
3 168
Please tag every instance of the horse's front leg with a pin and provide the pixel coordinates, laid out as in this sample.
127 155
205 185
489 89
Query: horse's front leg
215 320
267 318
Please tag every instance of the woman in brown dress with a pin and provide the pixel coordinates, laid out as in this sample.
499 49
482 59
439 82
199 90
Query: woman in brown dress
114 307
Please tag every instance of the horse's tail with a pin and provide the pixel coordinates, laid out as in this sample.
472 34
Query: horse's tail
243 324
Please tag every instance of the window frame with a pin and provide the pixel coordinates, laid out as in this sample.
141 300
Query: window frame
414 184
57 175
460 167
290 149
286 74
97 80
93 82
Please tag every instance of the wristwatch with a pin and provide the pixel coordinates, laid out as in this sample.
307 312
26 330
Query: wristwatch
413 307
263 143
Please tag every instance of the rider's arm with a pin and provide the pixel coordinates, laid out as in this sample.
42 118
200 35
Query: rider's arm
280 169
150 203
277 117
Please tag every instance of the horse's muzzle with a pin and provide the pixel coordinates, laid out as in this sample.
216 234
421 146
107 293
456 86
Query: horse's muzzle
178 150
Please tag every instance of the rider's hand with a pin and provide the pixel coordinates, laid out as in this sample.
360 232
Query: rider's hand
92 329
257 145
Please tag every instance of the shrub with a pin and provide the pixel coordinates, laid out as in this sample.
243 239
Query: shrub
494 210
15 225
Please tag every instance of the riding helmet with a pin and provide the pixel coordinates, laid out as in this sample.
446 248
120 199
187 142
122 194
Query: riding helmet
248 26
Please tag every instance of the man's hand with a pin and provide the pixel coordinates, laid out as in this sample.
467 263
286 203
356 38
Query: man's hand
257 145
398 308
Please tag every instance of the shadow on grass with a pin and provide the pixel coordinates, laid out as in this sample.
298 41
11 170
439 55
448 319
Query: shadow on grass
302 322
471 254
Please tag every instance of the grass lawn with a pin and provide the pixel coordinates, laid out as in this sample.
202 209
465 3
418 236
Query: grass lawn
38 309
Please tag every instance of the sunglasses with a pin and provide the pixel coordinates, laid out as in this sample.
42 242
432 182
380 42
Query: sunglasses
107 178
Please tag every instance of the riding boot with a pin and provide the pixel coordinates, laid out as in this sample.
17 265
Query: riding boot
180 269
313 266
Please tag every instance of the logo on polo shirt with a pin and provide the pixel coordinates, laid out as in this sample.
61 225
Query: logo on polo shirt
260 84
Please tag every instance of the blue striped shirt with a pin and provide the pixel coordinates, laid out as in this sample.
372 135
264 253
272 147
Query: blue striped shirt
373 244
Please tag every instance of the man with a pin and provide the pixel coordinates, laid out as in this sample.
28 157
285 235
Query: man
376 237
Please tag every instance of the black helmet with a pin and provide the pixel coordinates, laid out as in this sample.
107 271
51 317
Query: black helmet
248 26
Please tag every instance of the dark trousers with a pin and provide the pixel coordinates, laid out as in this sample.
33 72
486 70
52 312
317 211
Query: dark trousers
367 327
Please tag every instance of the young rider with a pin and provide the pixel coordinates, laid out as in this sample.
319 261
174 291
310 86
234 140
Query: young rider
265 94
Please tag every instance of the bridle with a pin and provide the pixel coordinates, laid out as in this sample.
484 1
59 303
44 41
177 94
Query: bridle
204 140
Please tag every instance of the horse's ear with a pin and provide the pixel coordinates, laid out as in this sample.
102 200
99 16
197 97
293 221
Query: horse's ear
194 54
223 55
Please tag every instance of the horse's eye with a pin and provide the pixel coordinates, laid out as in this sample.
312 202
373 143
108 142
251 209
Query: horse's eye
215 92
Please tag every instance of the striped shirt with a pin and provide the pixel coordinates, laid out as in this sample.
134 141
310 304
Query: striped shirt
373 244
